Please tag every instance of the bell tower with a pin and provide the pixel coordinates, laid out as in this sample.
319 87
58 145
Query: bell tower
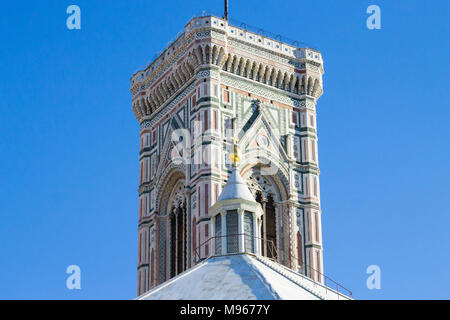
213 79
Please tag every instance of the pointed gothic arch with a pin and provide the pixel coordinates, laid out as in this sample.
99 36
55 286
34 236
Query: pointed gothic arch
169 198
177 244
270 192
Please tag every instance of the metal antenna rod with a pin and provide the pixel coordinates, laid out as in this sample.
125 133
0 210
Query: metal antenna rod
226 10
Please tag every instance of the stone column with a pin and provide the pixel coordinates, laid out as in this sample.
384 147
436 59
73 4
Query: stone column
278 246
293 253
188 246
256 240
264 225
241 237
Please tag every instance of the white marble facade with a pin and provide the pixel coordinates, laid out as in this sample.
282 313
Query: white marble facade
216 81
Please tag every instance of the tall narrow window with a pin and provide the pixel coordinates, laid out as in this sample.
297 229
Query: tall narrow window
152 268
145 282
194 239
232 230
206 198
206 238
177 243
144 206
226 96
306 153
144 178
315 186
270 228
199 202
313 150
144 245
316 223
215 119
299 249
306 186
140 247
308 229
207 157
205 120
153 164
198 148
296 148
173 245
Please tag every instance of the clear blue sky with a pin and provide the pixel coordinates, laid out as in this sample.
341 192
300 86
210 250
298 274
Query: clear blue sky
69 140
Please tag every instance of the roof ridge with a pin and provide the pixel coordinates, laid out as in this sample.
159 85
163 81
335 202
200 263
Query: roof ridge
275 267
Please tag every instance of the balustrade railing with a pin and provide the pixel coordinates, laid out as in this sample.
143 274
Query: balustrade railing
307 272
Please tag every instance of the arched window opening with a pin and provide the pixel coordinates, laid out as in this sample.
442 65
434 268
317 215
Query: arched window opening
268 226
271 233
177 240
181 252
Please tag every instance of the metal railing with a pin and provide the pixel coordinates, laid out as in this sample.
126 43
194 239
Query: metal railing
327 281
271 248
234 22
272 254
257 30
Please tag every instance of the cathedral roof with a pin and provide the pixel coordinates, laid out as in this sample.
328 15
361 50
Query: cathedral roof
236 188
242 277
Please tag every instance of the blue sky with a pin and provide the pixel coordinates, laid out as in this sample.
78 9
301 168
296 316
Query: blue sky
69 140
